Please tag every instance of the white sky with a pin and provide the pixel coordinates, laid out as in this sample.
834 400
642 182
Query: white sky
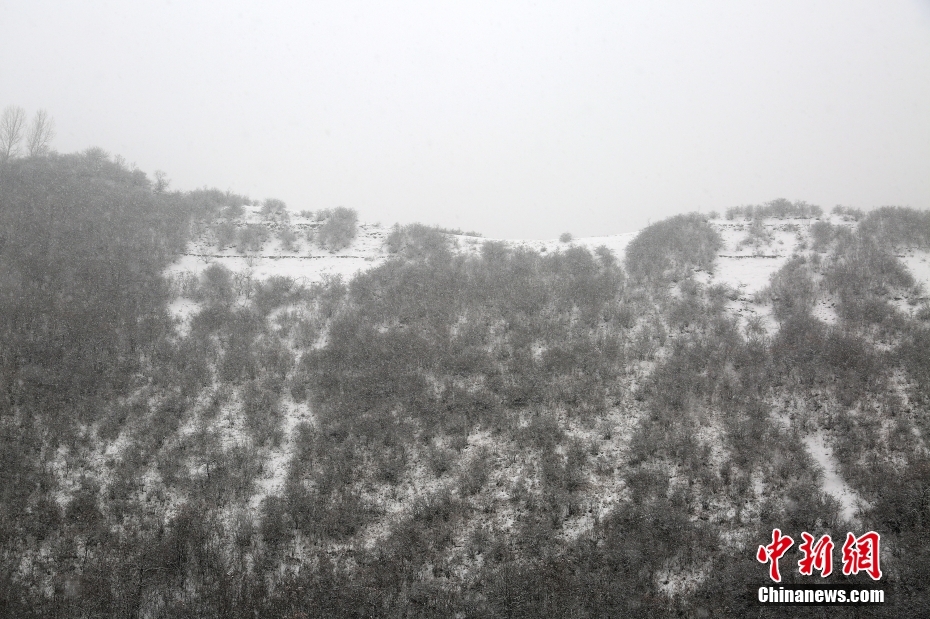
516 119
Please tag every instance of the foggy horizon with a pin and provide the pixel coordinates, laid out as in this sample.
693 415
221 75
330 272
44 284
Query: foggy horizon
517 121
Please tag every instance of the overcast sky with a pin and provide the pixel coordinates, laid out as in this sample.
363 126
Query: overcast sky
516 119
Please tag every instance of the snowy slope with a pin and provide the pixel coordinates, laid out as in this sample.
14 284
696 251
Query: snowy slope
305 262
750 255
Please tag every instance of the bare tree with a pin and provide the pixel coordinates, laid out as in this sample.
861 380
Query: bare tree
40 133
161 181
12 124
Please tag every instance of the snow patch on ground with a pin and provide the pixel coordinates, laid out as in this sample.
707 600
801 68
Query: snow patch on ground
833 484
746 274
276 461
917 262
825 311
747 261
678 581
182 310
616 243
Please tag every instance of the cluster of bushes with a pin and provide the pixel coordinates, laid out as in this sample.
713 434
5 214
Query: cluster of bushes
817 356
225 233
862 270
859 268
238 337
456 231
780 209
288 238
412 319
757 236
209 203
792 289
897 227
339 228
672 248
418 242
848 213
251 238
274 209
83 243
823 234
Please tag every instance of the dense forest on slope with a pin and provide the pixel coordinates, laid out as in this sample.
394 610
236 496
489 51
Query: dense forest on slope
504 433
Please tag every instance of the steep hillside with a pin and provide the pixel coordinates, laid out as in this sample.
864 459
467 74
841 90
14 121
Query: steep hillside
479 465
341 419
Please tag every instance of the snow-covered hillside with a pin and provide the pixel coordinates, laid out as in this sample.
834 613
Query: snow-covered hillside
751 254
304 261
334 409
